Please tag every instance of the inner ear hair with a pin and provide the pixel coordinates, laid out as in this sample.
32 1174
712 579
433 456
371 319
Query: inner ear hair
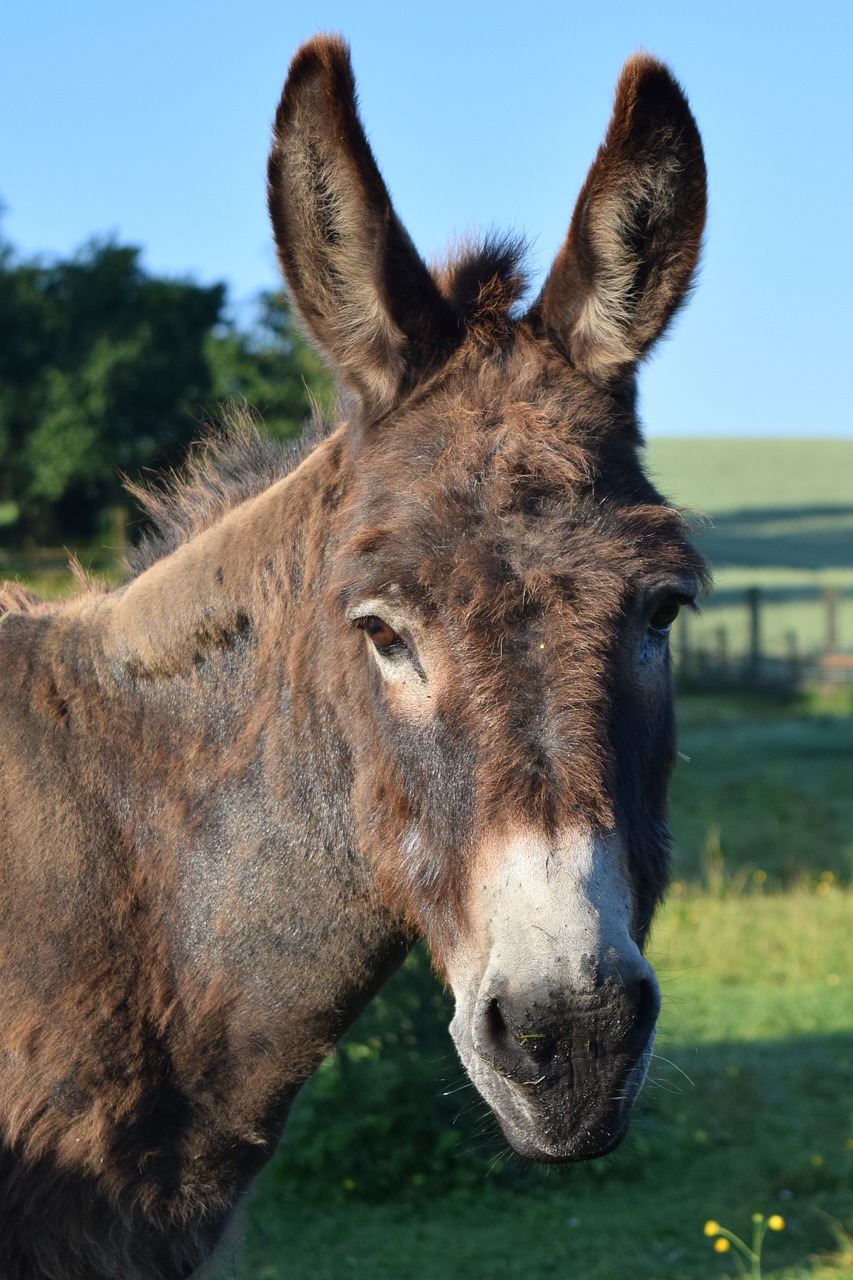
636 233
359 285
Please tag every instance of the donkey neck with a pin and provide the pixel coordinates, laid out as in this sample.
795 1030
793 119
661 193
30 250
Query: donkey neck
240 767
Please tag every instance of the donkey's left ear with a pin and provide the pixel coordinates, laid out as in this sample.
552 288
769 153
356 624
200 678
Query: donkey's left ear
635 236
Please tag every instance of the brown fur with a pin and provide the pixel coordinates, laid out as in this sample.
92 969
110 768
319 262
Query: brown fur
16 598
220 825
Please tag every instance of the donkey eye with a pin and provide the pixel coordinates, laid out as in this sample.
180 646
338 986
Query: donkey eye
384 637
664 615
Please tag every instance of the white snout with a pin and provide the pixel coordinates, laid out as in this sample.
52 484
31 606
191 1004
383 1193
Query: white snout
555 1004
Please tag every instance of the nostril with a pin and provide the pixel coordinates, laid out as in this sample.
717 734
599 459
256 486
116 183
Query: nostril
494 1024
515 1030
506 1041
497 1041
648 1002
498 1037
646 1010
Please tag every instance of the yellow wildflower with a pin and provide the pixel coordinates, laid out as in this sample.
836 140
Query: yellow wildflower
721 1245
776 1222
712 1228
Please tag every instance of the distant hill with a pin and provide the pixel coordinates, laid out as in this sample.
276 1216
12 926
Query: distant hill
723 475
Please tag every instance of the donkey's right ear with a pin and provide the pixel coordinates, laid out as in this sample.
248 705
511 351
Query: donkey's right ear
363 293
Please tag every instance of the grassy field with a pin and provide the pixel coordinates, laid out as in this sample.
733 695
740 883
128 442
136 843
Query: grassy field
765 794
727 475
777 514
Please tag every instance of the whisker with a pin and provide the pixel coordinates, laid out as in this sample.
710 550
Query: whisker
658 1057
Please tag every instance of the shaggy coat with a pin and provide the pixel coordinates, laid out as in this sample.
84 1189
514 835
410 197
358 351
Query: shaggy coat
412 680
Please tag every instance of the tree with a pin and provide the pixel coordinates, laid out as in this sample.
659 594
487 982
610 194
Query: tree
270 367
108 370
103 369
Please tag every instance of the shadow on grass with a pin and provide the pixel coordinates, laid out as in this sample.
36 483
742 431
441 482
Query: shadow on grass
793 537
803 593
760 1126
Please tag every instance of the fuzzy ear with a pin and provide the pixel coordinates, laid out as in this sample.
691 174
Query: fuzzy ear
362 291
635 236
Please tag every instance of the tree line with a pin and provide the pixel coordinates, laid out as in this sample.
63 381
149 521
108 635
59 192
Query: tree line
108 370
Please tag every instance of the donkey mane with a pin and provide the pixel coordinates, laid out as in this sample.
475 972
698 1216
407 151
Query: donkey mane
483 281
229 464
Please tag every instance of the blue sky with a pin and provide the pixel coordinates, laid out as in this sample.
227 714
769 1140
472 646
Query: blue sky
151 122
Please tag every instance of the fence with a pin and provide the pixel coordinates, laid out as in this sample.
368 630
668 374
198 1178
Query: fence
35 563
711 653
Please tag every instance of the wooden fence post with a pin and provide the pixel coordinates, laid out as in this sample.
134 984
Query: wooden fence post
792 654
753 664
831 599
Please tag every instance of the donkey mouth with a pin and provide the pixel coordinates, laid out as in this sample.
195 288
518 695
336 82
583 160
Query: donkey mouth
572 1107
569 1116
573 1118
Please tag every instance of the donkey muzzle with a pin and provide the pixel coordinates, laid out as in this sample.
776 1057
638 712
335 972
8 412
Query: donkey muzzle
576 1059
556 1005
524 1033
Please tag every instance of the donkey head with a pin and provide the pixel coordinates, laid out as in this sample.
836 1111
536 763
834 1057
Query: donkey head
502 581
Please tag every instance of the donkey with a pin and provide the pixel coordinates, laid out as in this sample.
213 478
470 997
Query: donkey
413 681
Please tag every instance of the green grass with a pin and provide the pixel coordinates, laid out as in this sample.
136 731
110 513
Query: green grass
58 581
723 475
749 1107
767 788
